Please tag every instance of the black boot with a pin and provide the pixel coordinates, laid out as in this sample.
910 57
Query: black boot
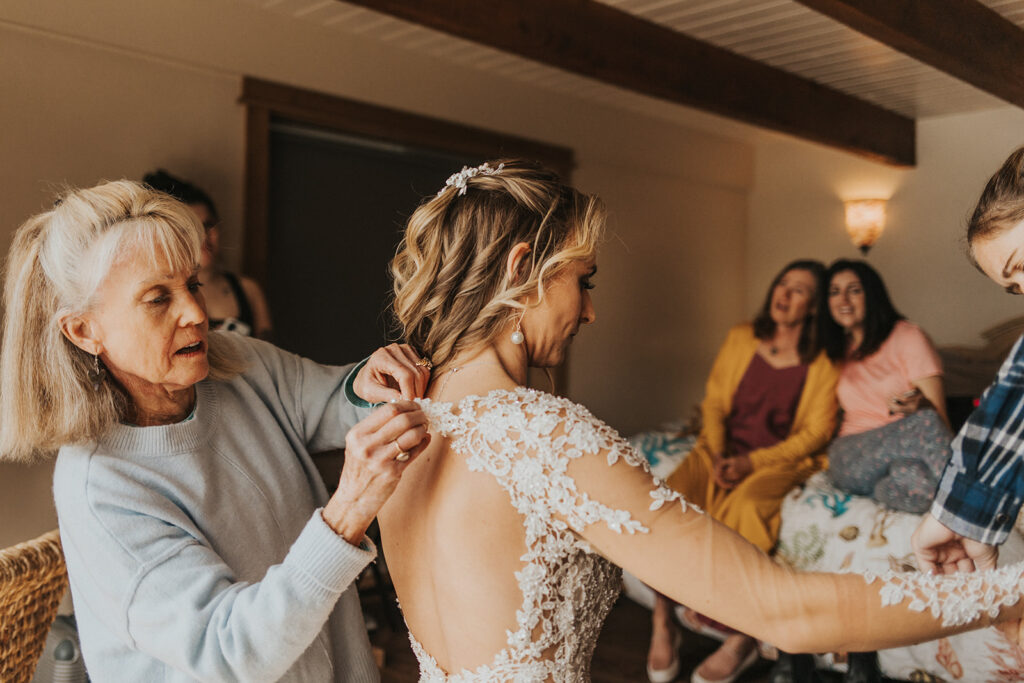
794 669
863 668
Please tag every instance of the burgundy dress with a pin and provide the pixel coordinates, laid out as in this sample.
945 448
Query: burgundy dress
763 406
762 414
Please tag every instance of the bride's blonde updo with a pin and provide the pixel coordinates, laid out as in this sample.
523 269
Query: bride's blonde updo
452 289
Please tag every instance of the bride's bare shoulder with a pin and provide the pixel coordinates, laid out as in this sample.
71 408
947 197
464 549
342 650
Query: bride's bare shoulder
519 398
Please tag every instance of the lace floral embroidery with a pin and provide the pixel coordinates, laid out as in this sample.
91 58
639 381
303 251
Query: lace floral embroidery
958 598
526 440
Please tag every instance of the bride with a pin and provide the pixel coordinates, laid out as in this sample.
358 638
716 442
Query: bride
504 537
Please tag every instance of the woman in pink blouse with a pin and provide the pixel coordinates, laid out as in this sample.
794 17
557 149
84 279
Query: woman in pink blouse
894 436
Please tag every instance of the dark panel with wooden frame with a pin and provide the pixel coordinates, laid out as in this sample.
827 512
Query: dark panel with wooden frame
605 43
257 191
265 100
383 123
963 38
268 103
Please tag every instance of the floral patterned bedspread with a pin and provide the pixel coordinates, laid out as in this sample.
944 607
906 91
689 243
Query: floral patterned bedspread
824 529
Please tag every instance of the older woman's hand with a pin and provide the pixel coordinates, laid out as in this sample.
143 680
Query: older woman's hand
377 451
393 372
733 470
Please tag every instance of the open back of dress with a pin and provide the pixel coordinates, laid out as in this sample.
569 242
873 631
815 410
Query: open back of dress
525 440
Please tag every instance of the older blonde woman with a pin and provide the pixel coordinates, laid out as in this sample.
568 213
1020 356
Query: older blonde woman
201 543
504 536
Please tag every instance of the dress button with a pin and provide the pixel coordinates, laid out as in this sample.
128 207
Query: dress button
1001 518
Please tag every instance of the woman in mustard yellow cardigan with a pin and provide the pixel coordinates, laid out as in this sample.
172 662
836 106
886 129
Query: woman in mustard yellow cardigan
768 411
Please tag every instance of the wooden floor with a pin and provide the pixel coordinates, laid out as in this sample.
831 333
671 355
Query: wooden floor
619 658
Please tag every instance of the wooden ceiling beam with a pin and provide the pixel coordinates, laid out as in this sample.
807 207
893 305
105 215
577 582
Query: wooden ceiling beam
963 38
607 44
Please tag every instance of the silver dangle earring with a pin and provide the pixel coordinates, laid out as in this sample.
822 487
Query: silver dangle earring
97 373
517 336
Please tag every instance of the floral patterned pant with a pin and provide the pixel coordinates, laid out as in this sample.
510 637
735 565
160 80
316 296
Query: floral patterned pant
899 465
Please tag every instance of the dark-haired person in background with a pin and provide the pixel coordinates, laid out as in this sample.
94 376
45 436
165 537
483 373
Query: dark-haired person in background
769 408
233 302
894 435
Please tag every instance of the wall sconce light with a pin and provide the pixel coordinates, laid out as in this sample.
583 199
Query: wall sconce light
865 220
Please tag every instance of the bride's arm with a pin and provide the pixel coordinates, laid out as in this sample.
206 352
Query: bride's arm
698 562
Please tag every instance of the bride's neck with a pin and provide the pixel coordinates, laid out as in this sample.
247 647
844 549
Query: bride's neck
489 361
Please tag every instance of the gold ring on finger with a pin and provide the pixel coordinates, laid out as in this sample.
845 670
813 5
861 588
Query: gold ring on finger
425 363
402 455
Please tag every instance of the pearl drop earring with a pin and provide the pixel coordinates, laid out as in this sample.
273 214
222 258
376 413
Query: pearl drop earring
517 336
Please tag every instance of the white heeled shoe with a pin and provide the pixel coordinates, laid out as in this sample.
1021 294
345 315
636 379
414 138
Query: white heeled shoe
747 662
669 674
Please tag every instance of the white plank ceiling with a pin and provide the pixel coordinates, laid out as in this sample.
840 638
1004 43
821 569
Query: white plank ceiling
781 33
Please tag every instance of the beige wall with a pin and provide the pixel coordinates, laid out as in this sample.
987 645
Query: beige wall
110 89
796 210
669 287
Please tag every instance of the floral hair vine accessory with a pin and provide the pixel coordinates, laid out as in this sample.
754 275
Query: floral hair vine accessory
460 179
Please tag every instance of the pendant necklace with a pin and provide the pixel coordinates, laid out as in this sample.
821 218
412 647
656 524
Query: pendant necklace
448 373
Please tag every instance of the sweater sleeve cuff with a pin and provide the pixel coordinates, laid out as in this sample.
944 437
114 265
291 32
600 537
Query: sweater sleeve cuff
974 510
350 392
327 559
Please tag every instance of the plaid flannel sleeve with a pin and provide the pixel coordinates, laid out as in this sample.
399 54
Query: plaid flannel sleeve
982 487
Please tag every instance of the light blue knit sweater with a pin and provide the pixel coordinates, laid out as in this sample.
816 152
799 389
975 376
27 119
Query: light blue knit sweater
197 551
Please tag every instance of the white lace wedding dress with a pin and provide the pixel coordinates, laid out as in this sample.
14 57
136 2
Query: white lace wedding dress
527 440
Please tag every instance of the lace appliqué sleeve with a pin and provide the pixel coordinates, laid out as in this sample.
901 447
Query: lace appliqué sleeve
527 439
587 434
958 598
